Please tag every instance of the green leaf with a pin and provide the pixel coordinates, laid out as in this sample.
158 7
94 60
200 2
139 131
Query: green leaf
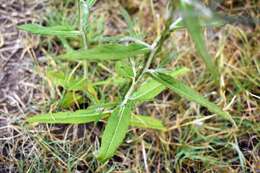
151 88
102 106
69 99
193 24
188 93
91 2
115 131
214 22
78 117
106 52
114 80
64 31
93 113
59 78
146 122
84 16
124 70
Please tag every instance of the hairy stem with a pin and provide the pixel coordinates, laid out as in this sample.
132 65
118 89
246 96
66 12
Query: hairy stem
82 24
83 10
156 47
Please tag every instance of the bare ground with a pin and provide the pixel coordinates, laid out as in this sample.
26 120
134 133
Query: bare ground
18 83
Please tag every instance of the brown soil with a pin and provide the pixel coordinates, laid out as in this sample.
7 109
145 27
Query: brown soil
17 81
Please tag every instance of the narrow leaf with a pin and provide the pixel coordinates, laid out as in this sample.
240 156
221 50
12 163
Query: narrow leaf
93 113
78 117
185 91
91 2
151 88
214 22
64 31
124 70
192 23
84 16
146 122
114 80
115 131
69 99
59 78
106 52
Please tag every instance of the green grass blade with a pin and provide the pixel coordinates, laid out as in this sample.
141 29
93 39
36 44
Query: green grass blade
64 31
146 122
192 23
185 91
106 52
115 132
151 88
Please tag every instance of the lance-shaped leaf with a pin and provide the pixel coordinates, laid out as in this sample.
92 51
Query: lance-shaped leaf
69 99
70 83
214 22
151 88
146 122
124 70
91 2
59 78
185 91
106 52
77 117
115 131
192 23
93 113
64 31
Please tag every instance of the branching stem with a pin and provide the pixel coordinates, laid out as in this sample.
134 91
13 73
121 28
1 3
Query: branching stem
156 47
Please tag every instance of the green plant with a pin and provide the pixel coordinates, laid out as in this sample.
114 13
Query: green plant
119 115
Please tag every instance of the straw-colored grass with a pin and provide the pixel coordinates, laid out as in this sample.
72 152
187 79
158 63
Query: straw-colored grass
196 140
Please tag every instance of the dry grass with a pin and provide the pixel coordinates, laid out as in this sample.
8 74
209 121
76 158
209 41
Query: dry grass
19 87
193 143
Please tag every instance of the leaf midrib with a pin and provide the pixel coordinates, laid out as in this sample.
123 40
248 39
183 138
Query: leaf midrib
121 116
64 117
147 91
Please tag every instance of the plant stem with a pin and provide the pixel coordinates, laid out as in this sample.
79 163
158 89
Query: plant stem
81 25
83 32
83 10
156 47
